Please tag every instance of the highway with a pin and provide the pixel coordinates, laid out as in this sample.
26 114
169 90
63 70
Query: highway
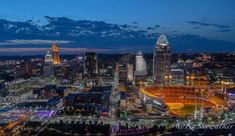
11 125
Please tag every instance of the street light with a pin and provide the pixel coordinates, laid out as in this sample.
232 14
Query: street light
191 78
168 78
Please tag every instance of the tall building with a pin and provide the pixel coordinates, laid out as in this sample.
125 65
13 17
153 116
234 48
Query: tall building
130 68
48 60
161 61
123 73
79 65
91 64
56 57
116 76
178 76
140 65
48 68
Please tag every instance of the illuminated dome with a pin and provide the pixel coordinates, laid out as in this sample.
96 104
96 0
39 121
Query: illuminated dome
162 40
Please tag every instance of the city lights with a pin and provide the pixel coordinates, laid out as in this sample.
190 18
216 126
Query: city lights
117 68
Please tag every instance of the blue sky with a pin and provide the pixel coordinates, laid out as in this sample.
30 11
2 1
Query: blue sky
124 11
213 19
147 11
171 14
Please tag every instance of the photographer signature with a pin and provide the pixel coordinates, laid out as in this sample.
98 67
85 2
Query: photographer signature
195 127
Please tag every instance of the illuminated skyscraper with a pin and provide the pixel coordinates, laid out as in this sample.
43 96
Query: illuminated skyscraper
48 68
56 57
48 59
161 60
140 65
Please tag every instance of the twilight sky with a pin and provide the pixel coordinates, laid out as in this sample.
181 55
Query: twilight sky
213 19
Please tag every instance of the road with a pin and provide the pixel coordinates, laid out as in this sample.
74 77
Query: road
10 126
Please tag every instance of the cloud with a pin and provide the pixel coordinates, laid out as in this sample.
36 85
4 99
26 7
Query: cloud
224 30
208 24
35 41
64 50
149 28
156 26
101 36
153 27
61 50
196 27
69 50
175 31
20 50
134 22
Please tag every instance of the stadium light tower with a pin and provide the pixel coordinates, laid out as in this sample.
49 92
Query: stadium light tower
222 86
168 79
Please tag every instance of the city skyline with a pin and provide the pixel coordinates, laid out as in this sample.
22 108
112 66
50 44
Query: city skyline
117 94
117 67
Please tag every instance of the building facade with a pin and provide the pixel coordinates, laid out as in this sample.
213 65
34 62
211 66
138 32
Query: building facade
161 60
130 68
48 68
91 64
55 52
140 64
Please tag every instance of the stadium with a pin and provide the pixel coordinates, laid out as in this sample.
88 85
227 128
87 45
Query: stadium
181 100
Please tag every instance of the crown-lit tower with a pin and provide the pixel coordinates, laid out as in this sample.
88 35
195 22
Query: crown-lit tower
48 60
161 60
48 68
55 52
